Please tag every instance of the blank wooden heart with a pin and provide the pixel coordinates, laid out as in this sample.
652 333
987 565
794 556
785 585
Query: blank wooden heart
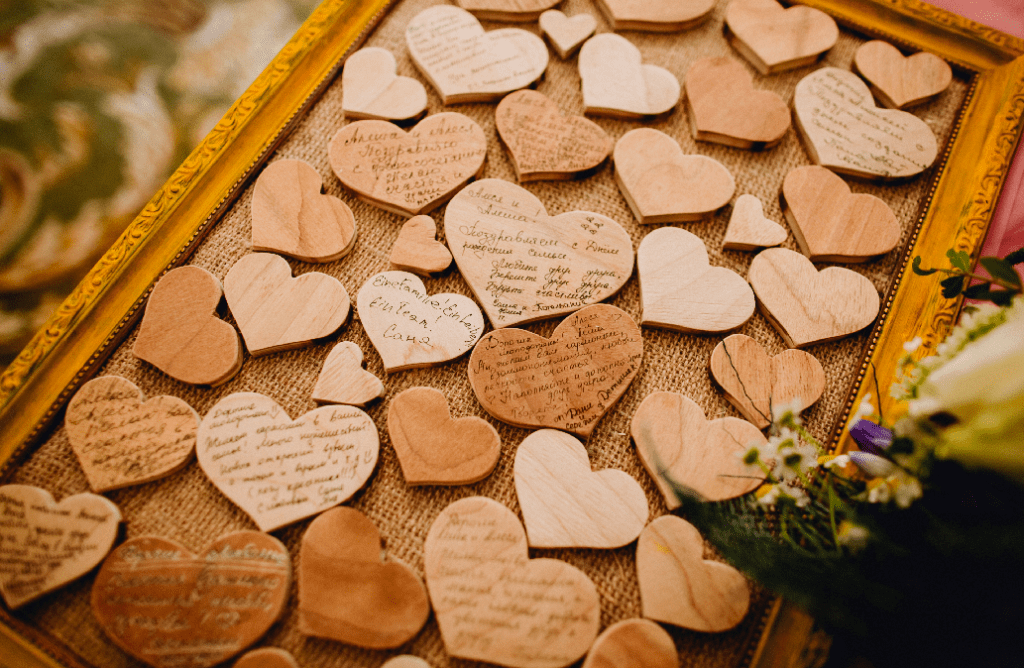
180 333
680 290
507 10
122 441
291 217
347 592
280 470
440 155
277 312
676 443
405 661
755 383
568 381
476 562
900 82
617 83
169 607
435 449
524 265
565 33
417 248
633 643
749 229
773 38
679 586
662 185
808 306
565 504
655 15
543 143
466 64
48 544
343 379
372 89
844 130
266 657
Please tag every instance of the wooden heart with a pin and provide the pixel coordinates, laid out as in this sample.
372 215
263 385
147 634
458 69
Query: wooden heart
476 562
409 173
266 657
566 382
180 333
754 383
633 643
372 89
844 130
418 250
900 82
566 34
506 10
656 15
347 592
773 38
662 185
343 379
277 312
411 328
676 444
809 306
565 504
435 449
726 108
280 470
749 229
169 607
405 661
466 64
546 145
48 544
680 290
679 586
617 83
291 217
524 265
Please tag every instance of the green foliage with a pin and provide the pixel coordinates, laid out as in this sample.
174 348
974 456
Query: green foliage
1001 275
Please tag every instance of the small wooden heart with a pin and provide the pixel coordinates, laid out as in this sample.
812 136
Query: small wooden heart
418 250
405 661
773 38
343 379
749 229
656 15
633 643
565 504
900 82
266 657
435 449
372 89
617 83
566 34
507 10
347 592
122 441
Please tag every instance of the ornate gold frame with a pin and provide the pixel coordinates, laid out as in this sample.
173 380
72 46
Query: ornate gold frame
65 352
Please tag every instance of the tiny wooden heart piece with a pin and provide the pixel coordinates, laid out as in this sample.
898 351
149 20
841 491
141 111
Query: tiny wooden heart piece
372 89
343 379
749 229
566 34
266 657
656 15
773 38
418 250
633 643
617 83
507 10
900 82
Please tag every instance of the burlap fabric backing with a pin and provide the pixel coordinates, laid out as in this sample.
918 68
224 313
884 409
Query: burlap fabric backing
187 508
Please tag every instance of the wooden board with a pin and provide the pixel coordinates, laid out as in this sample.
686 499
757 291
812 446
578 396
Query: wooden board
507 10
749 229
417 249
343 380
774 38
372 89
633 643
565 33
617 83
900 82
656 15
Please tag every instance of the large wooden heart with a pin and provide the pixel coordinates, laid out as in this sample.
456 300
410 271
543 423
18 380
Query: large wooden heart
372 89
617 83
507 10
524 265
900 82
774 38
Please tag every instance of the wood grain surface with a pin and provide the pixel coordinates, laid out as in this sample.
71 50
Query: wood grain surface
343 380
656 15
774 38
617 83
749 229
899 81
566 33
633 643
417 249
372 89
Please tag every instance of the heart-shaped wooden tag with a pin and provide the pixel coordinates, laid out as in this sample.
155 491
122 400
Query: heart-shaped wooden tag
633 643
347 592
900 82
343 379
662 185
121 441
411 328
617 83
749 229
180 333
280 470
679 586
566 34
409 173
476 561
169 607
656 15
680 290
291 217
774 38
277 312
844 130
266 657
405 661
418 250
676 444
507 10
809 306
566 382
524 265
466 64
565 504
372 89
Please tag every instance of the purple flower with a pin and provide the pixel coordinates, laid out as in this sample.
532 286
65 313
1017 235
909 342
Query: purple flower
871 437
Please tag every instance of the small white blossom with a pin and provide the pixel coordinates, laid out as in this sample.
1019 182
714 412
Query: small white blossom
864 409
879 492
770 496
912 345
787 411
852 536
907 489
841 461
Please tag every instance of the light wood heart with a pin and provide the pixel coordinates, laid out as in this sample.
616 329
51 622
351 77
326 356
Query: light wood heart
476 560
680 290
291 217
466 64
409 173
405 661
418 250
677 444
507 10
266 657
169 608
656 15
749 229
48 544
546 145
347 592
844 130
343 379
633 643
617 83
679 586
280 470
181 334
808 306
524 265
566 34
435 449
565 504
568 381
372 89
773 38
662 185
900 82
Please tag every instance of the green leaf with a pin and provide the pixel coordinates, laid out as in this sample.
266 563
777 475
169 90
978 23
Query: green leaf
952 286
1016 257
1001 269
916 266
1001 297
979 291
959 259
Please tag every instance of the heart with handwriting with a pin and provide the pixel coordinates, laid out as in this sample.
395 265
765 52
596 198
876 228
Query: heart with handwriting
372 89
616 82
